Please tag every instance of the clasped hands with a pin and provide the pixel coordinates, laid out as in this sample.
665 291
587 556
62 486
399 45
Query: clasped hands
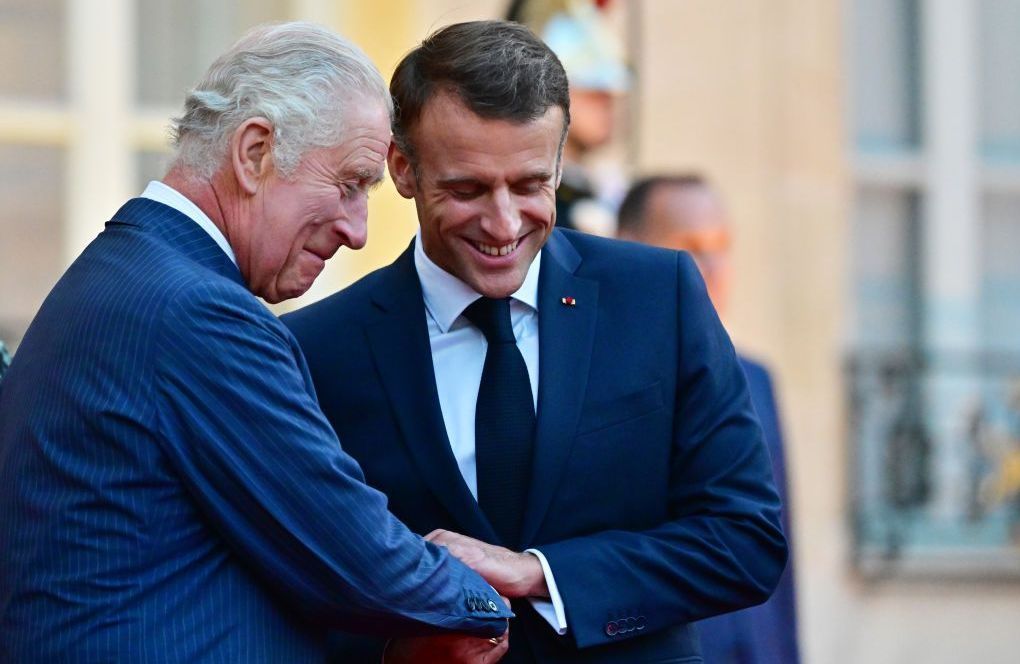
512 574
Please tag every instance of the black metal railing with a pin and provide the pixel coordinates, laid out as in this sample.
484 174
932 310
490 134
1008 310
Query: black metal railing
935 459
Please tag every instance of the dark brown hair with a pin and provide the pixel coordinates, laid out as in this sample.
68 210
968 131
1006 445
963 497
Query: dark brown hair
498 69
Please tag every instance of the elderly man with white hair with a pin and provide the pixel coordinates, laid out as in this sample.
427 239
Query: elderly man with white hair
169 489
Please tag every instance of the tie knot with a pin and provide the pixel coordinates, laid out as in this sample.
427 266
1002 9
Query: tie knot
492 317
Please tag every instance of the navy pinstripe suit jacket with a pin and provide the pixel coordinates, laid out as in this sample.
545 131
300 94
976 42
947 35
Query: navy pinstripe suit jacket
169 489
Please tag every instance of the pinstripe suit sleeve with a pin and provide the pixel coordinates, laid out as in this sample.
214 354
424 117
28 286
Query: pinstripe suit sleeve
240 422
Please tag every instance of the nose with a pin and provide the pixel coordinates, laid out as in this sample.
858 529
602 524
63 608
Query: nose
352 224
504 221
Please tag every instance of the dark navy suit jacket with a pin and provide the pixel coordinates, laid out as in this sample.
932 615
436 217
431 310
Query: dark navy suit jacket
764 634
169 488
651 492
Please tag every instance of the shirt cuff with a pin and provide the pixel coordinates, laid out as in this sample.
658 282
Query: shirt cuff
551 609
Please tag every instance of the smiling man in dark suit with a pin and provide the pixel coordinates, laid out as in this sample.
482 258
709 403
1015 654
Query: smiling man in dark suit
563 412
169 489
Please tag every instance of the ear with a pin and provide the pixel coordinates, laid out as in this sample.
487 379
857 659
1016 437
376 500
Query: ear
401 171
559 162
251 153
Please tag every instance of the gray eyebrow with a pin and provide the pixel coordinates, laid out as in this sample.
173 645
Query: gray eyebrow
370 178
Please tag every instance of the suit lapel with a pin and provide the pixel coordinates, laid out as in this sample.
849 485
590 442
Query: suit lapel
400 346
566 334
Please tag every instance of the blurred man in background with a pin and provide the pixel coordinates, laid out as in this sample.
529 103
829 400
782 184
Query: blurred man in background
169 489
686 213
566 411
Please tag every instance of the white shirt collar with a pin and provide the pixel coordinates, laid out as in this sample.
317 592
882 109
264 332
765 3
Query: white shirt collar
161 193
446 296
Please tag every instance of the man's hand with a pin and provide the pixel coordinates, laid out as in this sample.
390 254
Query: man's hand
512 574
446 649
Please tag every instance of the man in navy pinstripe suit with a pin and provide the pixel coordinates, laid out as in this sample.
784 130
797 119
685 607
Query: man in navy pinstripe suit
169 489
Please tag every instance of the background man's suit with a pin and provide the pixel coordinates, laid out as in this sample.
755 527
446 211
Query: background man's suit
169 489
767 633
651 493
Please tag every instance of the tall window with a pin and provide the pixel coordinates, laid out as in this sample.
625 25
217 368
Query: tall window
934 369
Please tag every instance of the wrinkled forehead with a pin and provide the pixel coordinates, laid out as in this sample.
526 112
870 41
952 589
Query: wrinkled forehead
361 114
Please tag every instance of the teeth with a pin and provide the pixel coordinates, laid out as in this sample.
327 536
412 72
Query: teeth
496 251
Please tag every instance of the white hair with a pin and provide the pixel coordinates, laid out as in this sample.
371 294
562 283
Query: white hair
299 76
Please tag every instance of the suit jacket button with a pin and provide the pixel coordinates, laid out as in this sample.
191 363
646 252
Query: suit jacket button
612 628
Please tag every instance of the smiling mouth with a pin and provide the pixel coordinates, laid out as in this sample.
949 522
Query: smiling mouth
492 250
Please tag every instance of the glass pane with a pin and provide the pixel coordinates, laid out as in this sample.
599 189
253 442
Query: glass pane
1000 286
1000 79
32 43
886 270
884 333
31 193
177 41
149 165
886 75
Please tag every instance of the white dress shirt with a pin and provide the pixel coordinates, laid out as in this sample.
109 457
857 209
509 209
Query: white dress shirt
458 356
161 193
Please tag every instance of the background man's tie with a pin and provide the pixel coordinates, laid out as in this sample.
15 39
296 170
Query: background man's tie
504 421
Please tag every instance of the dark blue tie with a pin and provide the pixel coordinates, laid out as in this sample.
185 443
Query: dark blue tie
504 421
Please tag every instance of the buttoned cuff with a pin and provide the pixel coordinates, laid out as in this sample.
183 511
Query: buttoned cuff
551 609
